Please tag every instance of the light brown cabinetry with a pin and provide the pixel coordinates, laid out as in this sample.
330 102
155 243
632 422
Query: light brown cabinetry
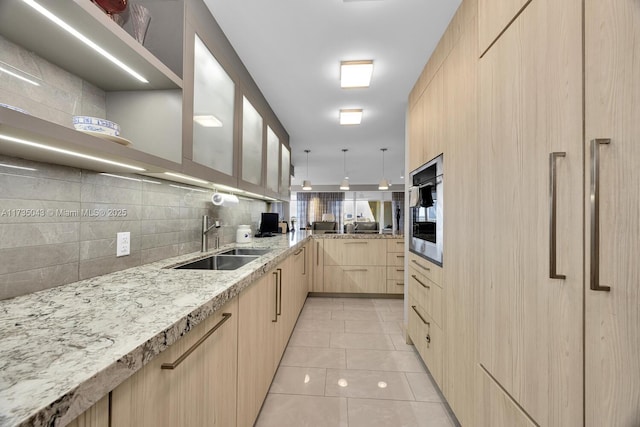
355 265
192 383
530 320
395 266
268 310
96 416
493 17
612 318
317 262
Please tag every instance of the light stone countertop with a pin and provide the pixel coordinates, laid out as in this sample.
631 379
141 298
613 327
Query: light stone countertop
63 349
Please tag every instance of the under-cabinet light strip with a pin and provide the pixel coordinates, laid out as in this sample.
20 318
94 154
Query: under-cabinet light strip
67 152
187 188
68 28
18 76
188 178
17 167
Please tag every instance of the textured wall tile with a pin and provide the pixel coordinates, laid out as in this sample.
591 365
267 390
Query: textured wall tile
105 248
98 266
97 230
34 257
25 282
13 186
156 254
23 235
159 240
14 211
106 194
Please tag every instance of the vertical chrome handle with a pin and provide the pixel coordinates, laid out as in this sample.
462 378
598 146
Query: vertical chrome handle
279 270
304 267
595 214
553 237
317 253
275 314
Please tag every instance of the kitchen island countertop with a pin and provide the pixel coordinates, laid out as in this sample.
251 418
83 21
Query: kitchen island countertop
63 349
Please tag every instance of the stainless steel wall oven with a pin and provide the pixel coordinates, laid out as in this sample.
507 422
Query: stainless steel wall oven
426 210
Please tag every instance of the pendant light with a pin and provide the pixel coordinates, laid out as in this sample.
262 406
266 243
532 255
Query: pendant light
345 182
306 184
384 184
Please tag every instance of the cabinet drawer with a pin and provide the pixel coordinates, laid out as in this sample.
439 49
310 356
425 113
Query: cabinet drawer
355 279
355 252
395 273
429 269
427 294
428 339
395 286
395 259
395 245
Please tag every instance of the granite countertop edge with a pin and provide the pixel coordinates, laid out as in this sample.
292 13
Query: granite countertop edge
63 406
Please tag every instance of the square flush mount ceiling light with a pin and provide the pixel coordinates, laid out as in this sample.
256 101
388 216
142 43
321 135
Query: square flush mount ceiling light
208 121
351 117
355 73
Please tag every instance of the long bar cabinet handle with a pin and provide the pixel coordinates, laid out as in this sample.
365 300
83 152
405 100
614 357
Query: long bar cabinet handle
553 236
420 316
179 360
424 285
356 243
304 266
356 269
420 265
317 253
298 252
595 215
275 312
279 270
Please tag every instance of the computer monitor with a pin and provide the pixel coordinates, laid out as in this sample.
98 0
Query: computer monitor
268 224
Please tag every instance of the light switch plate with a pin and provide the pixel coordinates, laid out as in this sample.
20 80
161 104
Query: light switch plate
123 243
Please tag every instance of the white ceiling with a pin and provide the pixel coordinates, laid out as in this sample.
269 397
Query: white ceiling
293 49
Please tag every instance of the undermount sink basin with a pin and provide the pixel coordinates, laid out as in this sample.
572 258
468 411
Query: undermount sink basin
218 262
246 251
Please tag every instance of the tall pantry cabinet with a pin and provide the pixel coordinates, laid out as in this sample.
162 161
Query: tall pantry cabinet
551 271
530 131
612 116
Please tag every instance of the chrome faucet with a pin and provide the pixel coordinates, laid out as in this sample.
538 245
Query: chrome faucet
205 229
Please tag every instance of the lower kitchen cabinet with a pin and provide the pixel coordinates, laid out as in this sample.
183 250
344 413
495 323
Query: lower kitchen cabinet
355 279
268 310
428 339
96 416
317 279
192 383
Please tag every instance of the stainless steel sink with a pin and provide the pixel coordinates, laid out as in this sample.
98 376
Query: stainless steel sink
218 262
246 251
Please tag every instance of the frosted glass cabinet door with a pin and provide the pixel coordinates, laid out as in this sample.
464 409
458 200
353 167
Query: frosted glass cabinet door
213 99
273 160
285 175
251 143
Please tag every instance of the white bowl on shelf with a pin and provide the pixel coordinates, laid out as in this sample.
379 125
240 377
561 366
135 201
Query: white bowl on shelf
96 124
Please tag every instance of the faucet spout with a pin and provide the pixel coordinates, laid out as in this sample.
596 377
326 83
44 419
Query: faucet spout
205 229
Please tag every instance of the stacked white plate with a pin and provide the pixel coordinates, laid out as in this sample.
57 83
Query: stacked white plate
101 128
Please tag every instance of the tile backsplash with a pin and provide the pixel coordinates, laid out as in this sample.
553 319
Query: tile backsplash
58 224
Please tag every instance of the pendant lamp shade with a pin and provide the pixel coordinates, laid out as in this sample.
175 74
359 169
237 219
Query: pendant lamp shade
344 185
306 184
384 183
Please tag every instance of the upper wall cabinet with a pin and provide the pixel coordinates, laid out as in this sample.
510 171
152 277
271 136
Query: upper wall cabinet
252 143
81 62
285 171
493 17
273 161
213 112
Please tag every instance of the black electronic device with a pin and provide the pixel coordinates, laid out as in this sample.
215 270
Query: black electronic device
268 224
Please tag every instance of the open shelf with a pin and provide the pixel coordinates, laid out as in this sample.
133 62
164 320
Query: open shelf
23 25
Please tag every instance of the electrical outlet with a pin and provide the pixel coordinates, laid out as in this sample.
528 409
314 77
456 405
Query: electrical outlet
123 243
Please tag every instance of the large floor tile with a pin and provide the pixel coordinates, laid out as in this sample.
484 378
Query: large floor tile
400 342
384 360
393 413
314 357
310 339
324 303
367 384
390 316
303 411
315 314
362 341
351 314
372 327
295 380
423 388
313 325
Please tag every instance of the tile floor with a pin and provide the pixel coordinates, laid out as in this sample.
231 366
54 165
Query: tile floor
348 365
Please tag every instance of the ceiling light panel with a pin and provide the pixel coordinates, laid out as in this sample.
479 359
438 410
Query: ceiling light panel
355 74
351 116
